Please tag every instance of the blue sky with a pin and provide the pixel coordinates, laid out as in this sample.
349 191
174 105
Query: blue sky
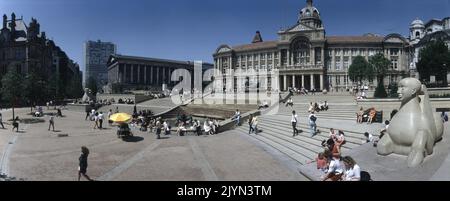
193 29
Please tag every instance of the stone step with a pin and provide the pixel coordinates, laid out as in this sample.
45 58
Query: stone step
311 143
316 140
323 116
350 136
283 149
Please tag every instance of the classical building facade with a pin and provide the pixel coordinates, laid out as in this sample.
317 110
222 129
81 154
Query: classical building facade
148 73
96 55
422 33
304 56
24 48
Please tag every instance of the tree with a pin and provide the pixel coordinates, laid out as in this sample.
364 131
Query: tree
92 85
360 70
12 88
393 88
52 88
434 60
380 65
74 88
34 88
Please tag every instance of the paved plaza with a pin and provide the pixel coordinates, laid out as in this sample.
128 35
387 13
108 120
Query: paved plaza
34 153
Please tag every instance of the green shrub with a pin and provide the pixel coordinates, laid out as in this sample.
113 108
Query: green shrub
380 91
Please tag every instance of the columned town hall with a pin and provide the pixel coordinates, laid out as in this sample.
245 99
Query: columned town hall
304 56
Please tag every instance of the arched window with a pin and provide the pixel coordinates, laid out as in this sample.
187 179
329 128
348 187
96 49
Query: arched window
300 49
417 34
315 13
307 12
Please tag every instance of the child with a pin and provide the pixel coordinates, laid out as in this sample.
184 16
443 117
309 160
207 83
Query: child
322 162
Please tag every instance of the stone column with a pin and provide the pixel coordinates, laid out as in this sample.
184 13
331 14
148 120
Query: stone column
333 60
145 74
132 73
273 60
288 58
139 74
322 60
303 80
312 56
312 81
321 82
292 59
267 61
293 80
124 74
157 76
284 83
280 62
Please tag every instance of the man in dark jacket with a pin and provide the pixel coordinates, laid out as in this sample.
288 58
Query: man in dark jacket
83 164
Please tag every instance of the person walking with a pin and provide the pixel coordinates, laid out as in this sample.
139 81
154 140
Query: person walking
88 114
158 130
312 124
16 124
294 120
51 122
255 125
1 121
109 116
250 123
100 120
237 118
83 164
95 120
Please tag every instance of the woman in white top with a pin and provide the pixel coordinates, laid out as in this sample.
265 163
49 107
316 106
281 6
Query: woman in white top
207 127
335 169
352 170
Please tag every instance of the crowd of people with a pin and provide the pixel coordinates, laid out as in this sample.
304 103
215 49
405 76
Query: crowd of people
317 107
366 115
331 163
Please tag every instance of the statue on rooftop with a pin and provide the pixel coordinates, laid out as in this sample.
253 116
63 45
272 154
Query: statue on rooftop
415 129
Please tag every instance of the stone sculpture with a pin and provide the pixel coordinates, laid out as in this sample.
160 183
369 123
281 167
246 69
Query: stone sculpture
87 97
415 128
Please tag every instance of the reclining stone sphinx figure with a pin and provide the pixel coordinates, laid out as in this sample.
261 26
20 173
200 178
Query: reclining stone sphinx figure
415 128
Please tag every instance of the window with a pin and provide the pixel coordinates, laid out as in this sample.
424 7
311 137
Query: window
394 63
346 59
338 63
300 51
355 51
346 52
329 65
417 34
371 52
318 55
337 52
394 51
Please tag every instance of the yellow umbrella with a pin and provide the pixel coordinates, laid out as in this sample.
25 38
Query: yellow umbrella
120 117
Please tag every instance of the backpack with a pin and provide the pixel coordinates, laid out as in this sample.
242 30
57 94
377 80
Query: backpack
365 176
446 117
313 118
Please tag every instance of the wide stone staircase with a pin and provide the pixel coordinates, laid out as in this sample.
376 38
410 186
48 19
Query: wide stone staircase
276 132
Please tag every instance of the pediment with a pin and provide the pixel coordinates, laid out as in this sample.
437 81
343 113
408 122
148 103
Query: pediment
300 27
394 40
